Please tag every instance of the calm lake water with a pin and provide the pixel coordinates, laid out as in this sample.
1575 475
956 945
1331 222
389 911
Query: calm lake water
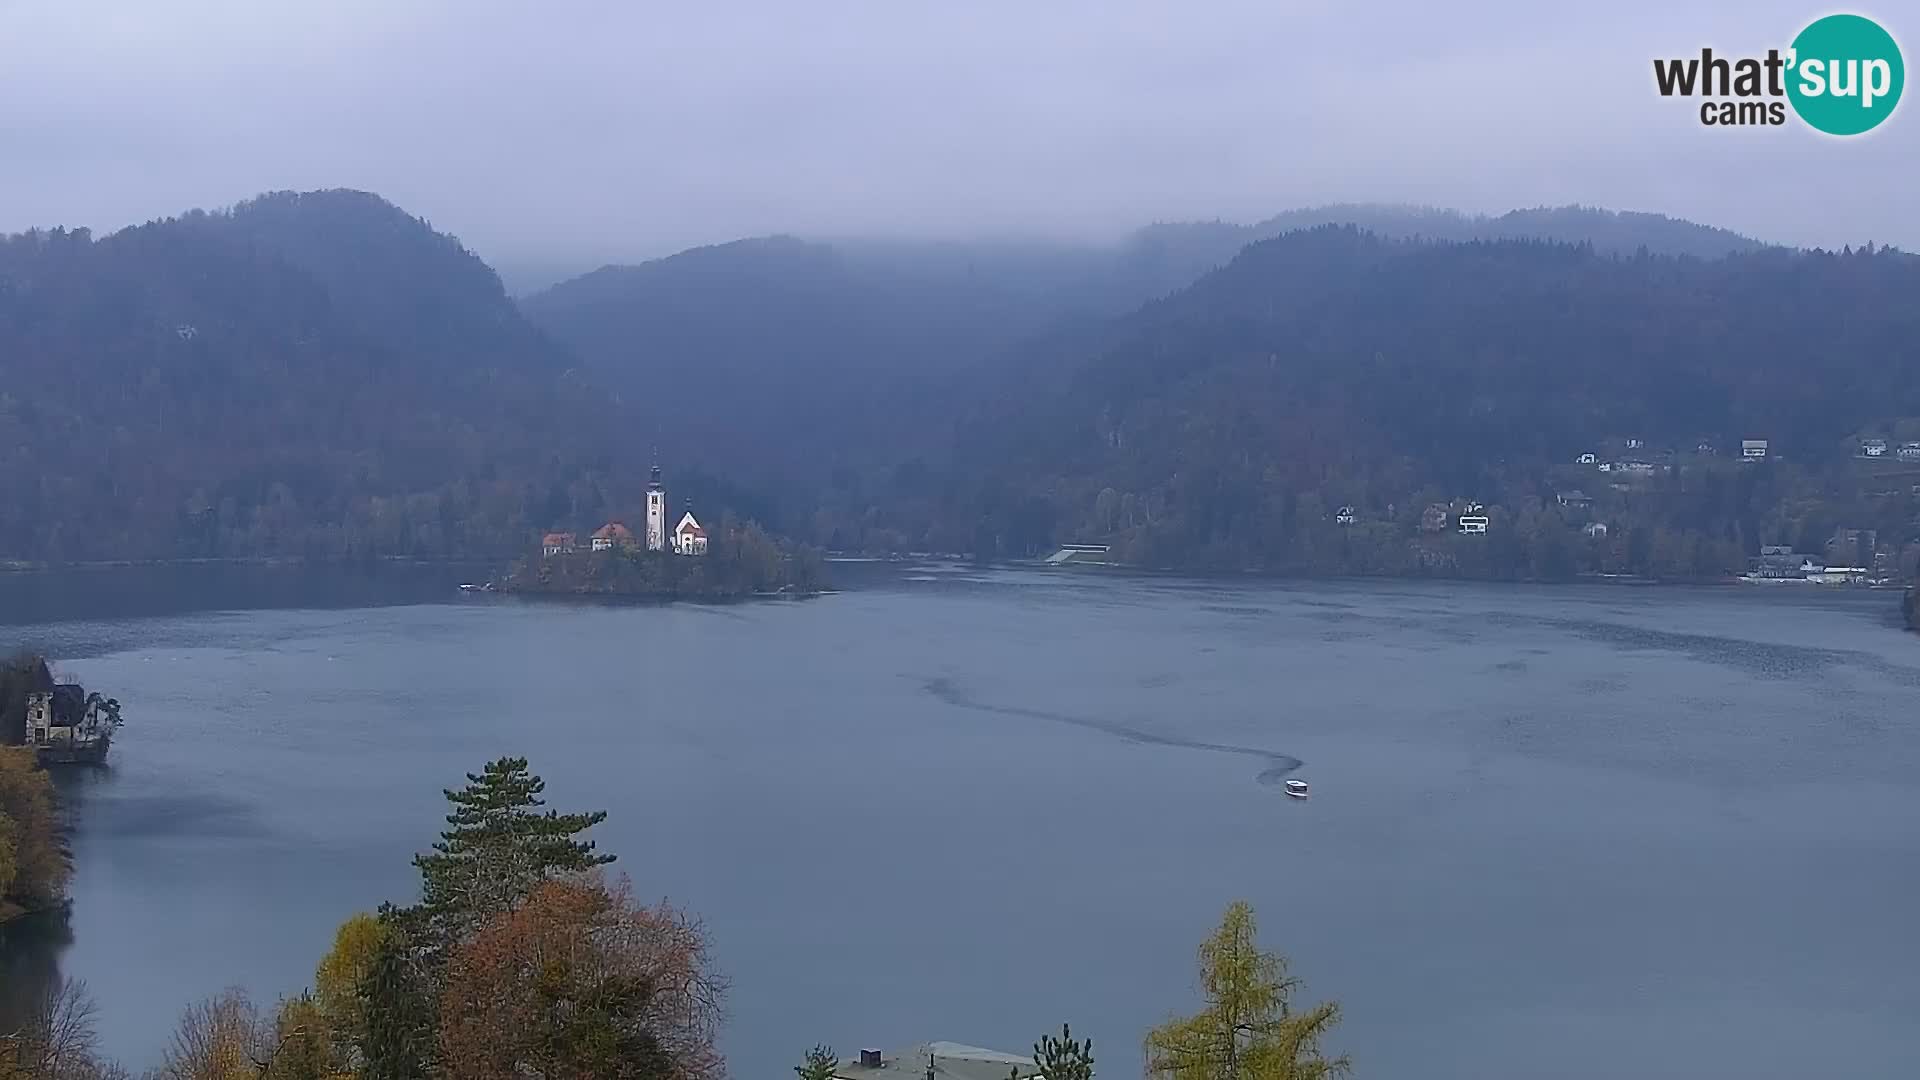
1569 832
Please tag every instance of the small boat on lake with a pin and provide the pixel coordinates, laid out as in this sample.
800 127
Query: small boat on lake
1297 788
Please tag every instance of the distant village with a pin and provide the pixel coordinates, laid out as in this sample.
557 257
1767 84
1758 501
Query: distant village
687 537
1850 556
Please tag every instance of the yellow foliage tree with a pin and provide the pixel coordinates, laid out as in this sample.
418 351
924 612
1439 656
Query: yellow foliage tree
302 1047
39 875
8 845
1249 1029
221 1038
336 982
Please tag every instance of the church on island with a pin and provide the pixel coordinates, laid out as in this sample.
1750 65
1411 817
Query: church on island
687 537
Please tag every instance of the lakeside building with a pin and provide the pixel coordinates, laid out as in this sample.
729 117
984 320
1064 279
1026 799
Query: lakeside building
1091 554
612 535
1776 562
66 725
938 1061
689 537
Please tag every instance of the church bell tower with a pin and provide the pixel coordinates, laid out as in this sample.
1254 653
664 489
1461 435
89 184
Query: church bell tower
656 511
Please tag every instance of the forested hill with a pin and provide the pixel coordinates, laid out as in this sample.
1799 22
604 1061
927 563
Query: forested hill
322 375
305 375
393 279
1467 354
1163 258
1224 424
784 359
789 362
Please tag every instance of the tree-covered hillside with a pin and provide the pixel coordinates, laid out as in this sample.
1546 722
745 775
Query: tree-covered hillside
1163 258
1224 425
322 375
797 366
304 375
785 360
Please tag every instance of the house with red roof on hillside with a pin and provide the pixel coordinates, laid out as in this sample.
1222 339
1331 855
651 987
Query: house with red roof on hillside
613 535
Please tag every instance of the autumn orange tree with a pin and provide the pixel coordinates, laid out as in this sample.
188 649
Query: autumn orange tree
500 845
582 981
521 962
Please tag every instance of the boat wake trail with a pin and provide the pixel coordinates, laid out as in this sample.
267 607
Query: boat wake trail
1277 765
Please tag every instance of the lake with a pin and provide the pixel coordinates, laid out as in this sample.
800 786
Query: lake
1582 831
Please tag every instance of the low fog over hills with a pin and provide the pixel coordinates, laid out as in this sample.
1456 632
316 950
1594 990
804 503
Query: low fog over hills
323 375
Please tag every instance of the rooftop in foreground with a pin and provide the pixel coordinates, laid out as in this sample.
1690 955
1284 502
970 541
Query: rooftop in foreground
950 1061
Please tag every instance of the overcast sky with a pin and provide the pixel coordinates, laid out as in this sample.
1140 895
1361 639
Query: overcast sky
574 133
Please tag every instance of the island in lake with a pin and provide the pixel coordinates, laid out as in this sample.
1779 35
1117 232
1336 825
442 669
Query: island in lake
682 562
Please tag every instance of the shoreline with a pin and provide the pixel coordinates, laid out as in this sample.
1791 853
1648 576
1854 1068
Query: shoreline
649 598
63 906
32 566
1636 580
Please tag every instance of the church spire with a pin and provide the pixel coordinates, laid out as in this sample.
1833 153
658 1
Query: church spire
656 509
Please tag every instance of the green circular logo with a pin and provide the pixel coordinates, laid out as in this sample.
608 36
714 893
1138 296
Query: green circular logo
1845 74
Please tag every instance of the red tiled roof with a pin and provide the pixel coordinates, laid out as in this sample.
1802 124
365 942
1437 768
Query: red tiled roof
613 530
690 528
556 539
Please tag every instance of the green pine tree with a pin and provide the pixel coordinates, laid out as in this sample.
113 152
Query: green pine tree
499 848
820 1064
1064 1058
398 1002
